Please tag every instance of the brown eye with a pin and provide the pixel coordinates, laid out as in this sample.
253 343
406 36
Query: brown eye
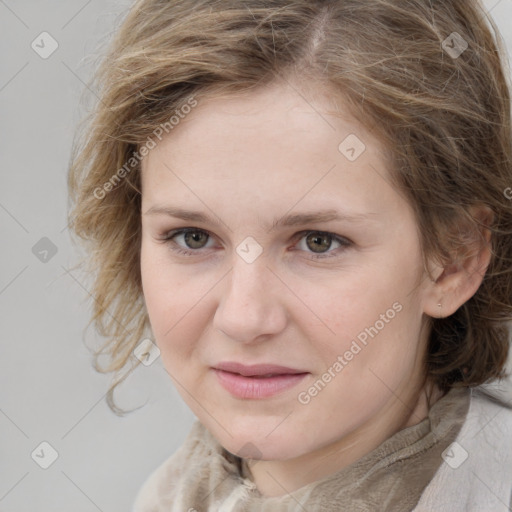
319 242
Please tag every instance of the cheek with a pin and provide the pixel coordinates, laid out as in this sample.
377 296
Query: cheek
369 360
355 301
175 304
372 320
165 294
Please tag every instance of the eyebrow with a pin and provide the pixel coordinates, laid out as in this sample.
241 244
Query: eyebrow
285 221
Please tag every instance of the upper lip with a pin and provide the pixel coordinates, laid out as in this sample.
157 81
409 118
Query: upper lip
256 369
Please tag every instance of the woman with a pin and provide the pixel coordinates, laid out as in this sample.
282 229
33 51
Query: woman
303 204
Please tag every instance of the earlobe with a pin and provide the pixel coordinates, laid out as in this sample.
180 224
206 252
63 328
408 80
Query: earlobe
458 281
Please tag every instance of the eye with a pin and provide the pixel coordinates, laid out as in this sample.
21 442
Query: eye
320 243
189 242
193 239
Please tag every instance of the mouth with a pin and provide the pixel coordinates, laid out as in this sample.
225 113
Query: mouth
257 381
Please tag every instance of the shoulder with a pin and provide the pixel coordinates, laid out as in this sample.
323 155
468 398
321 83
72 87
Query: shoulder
476 473
490 411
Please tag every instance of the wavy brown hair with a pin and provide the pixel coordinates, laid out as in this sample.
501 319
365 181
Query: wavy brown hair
445 119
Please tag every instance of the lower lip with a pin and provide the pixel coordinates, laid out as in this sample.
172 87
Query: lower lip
257 387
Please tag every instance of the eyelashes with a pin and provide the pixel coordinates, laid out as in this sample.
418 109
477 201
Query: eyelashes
194 236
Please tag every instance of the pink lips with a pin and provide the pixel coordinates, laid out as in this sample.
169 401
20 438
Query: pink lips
256 381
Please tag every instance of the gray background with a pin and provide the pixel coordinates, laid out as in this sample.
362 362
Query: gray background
48 388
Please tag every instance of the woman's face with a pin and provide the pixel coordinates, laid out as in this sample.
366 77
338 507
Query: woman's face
299 262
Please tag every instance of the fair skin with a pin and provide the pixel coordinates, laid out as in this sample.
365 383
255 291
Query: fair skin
249 160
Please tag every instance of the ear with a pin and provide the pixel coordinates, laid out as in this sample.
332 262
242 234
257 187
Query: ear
458 280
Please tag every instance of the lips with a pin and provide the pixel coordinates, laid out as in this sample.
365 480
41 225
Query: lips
257 381
257 370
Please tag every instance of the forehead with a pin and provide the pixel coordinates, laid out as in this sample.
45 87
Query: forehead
271 143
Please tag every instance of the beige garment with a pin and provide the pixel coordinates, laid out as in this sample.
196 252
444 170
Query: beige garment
202 476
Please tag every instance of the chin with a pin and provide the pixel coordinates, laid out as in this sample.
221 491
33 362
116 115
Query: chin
254 442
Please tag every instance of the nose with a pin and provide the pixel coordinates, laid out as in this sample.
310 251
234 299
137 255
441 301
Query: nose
251 305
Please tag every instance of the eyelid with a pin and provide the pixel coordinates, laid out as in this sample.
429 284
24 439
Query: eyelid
340 238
